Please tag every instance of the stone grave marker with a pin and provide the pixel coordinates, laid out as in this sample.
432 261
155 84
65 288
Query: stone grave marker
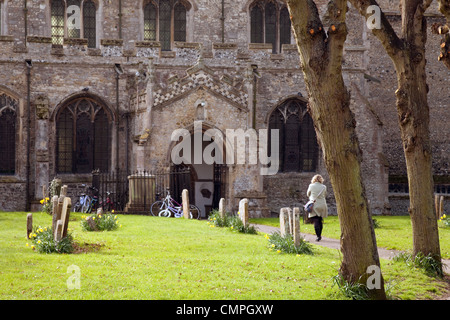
185 202
65 214
29 224
222 208
54 214
296 226
284 222
243 211
58 231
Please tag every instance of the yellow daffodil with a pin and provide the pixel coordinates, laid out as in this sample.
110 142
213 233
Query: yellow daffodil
112 211
28 244
42 201
120 226
273 245
39 241
278 251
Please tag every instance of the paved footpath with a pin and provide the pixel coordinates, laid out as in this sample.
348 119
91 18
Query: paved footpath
335 244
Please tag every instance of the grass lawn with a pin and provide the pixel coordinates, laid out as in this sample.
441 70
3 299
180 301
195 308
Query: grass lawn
394 232
173 259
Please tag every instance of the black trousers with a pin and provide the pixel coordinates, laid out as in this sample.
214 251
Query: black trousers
318 225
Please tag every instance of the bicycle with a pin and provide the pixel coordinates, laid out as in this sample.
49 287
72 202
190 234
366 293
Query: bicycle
109 204
87 201
168 206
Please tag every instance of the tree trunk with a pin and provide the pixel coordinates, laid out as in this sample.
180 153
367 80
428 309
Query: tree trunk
408 56
329 106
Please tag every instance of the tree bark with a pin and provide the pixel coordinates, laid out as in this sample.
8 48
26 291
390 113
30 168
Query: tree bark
408 56
329 106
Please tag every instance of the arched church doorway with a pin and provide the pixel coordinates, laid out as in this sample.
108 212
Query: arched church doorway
207 180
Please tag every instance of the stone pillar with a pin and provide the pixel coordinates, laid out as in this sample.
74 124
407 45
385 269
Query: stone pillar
185 203
41 147
243 211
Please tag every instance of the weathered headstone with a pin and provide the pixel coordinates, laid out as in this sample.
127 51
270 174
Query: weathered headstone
58 232
243 211
65 214
222 208
296 226
54 212
57 214
91 223
185 202
63 191
284 222
29 224
441 207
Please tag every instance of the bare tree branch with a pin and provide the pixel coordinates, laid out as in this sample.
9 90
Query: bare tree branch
385 33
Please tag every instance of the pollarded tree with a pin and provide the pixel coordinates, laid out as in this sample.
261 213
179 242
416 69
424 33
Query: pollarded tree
329 106
407 52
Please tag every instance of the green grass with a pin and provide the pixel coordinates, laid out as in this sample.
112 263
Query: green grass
160 258
395 232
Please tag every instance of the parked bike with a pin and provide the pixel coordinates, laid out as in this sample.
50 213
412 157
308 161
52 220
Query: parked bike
168 206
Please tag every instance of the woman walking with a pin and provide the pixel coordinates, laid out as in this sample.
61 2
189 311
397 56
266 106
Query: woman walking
317 191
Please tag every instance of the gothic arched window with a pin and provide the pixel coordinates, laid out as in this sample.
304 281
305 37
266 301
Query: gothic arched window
298 148
73 19
270 23
8 107
165 21
83 130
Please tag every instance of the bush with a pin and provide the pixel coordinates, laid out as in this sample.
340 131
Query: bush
229 221
43 242
103 222
286 244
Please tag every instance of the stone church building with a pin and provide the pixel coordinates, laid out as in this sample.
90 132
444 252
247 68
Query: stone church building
103 84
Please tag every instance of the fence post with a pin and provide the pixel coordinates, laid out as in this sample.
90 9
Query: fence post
185 202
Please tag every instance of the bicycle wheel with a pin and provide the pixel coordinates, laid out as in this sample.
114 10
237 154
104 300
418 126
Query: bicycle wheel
194 212
164 213
156 207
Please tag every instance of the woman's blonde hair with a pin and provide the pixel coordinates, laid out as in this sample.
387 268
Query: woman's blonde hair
317 178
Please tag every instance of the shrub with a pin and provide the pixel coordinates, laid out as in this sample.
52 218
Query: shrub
103 222
286 244
43 242
230 221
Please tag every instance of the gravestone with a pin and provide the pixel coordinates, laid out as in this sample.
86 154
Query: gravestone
222 208
296 226
58 231
284 222
243 211
29 224
65 214
91 223
54 210
185 203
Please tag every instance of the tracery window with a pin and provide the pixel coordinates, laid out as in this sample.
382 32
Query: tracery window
165 21
298 146
83 130
73 19
8 109
270 23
